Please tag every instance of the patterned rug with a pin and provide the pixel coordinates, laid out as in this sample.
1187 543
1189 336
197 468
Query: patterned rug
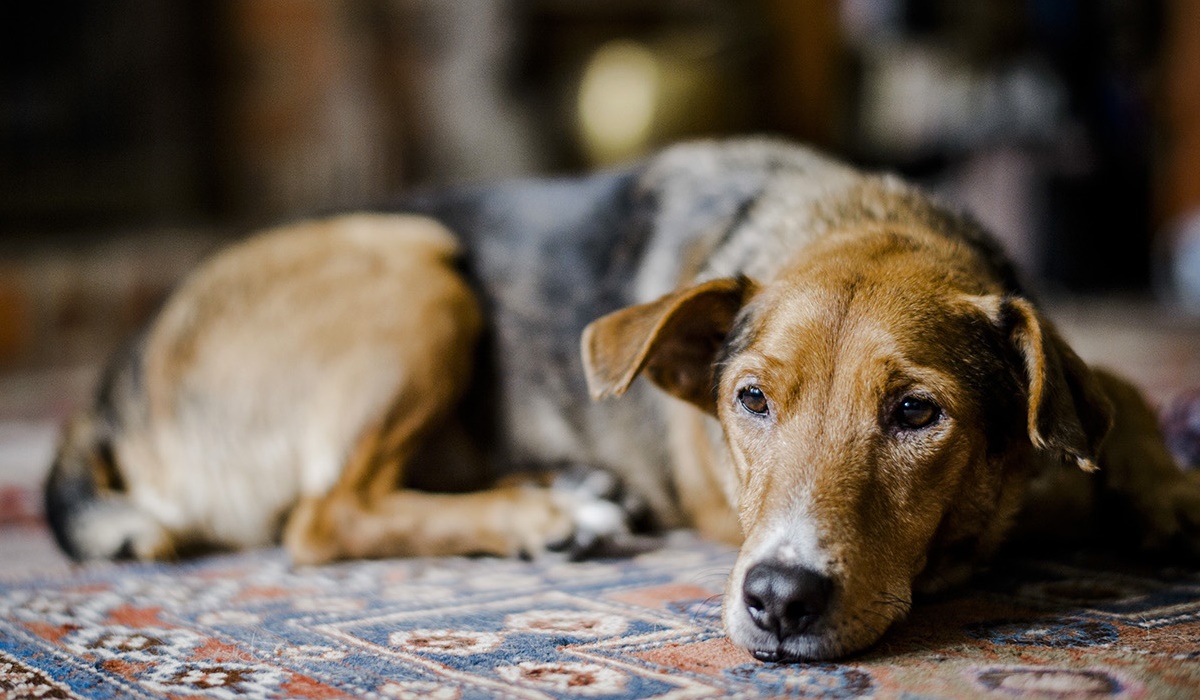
248 625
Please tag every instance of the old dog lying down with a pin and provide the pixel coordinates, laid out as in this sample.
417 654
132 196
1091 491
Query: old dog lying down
844 378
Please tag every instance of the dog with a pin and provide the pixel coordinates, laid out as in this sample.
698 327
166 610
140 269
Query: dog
841 376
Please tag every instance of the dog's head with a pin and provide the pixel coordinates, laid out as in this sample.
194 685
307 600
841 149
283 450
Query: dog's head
881 402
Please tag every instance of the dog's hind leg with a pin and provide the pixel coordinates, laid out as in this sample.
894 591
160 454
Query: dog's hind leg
368 512
366 515
504 522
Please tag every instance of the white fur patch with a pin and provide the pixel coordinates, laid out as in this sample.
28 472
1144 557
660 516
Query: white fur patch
107 527
600 518
595 518
794 539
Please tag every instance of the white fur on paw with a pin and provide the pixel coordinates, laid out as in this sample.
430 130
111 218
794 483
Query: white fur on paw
600 519
596 520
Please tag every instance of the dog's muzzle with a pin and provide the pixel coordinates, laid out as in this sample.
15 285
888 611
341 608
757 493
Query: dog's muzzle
785 600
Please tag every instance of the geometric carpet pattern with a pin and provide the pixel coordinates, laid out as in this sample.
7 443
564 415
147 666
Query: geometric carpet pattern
250 625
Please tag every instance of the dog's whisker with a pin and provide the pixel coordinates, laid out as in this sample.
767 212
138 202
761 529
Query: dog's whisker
713 601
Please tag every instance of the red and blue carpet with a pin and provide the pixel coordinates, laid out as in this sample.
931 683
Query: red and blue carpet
250 625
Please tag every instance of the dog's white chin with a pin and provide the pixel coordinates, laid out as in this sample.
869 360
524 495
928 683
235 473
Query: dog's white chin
806 647
836 638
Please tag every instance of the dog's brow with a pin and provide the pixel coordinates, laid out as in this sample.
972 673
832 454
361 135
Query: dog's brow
740 337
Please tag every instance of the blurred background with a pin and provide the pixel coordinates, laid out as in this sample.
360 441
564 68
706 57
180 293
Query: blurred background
136 135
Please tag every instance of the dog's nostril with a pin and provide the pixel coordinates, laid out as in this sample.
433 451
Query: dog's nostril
756 608
784 599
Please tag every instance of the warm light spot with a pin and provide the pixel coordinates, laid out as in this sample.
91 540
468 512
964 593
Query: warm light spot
617 100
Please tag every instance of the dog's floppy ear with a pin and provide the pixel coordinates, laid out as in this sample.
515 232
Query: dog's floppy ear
674 339
1068 412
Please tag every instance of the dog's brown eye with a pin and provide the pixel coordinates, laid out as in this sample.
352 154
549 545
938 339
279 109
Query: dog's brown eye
914 413
753 400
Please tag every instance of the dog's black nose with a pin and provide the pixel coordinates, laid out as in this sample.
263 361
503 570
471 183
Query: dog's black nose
785 599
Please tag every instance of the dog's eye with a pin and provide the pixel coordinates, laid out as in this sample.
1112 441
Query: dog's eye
753 400
915 413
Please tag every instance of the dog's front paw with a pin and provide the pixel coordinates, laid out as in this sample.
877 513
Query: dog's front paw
603 510
596 524
528 520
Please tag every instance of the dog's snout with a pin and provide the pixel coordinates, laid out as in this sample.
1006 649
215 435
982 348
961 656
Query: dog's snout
785 599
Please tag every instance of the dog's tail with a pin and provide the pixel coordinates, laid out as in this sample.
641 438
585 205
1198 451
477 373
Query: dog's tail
86 503
83 481
76 480
89 511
